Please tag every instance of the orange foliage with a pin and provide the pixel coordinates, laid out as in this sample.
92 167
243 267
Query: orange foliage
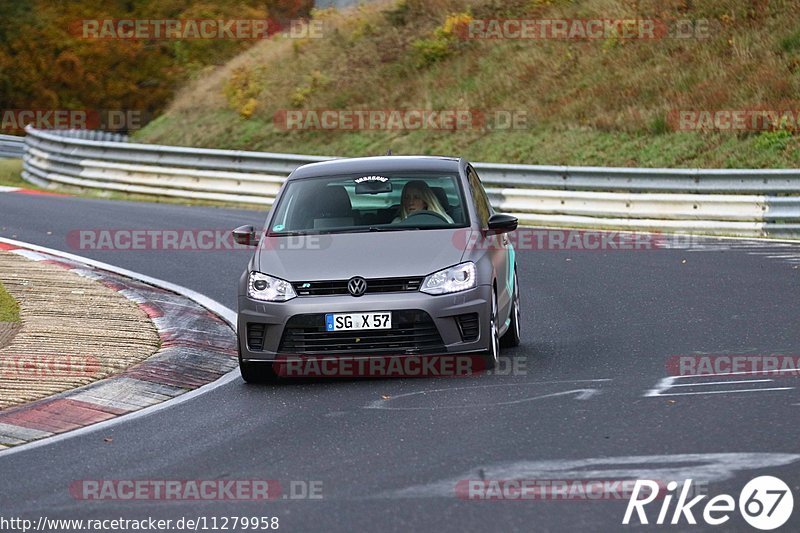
45 63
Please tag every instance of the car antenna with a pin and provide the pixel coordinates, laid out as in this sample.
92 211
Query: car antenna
389 152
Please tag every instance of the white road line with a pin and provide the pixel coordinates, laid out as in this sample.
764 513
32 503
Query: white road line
669 383
768 250
227 314
738 373
784 250
721 382
8 189
708 467
581 394
781 250
725 391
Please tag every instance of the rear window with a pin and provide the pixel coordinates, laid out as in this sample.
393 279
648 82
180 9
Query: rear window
370 202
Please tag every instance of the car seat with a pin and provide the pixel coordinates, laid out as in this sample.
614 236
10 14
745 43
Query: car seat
333 208
454 211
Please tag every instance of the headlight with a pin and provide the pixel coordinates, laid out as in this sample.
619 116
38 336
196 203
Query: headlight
269 289
458 278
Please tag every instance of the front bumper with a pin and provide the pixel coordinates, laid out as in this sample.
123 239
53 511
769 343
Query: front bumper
442 309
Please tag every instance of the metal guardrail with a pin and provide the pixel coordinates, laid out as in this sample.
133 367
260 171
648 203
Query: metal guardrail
723 202
11 147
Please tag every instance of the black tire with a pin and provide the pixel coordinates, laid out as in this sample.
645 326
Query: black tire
512 337
492 357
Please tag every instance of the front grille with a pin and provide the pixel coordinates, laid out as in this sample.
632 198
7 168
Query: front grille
378 285
393 285
468 326
413 332
255 337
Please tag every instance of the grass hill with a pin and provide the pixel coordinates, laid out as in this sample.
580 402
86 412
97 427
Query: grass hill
603 101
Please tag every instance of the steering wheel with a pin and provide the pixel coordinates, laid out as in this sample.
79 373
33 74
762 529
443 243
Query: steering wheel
423 213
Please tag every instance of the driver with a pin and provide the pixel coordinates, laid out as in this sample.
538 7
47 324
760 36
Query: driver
418 196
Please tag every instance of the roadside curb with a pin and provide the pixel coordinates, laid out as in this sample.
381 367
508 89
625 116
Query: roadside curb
21 190
197 348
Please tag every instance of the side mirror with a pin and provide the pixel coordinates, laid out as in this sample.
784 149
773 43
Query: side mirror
245 235
500 223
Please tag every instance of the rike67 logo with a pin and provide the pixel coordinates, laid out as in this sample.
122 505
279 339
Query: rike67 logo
765 503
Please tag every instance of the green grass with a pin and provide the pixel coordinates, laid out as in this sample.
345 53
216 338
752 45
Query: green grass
10 174
9 308
594 102
542 146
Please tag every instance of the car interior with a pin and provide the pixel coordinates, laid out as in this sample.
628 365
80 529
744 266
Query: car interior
330 205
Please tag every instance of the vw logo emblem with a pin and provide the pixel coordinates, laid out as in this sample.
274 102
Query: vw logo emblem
357 286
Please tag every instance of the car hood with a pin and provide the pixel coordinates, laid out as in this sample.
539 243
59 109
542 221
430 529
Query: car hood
369 255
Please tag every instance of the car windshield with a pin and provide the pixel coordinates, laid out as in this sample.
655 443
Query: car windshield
370 202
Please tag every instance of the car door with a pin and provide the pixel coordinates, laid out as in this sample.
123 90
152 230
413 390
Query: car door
498 245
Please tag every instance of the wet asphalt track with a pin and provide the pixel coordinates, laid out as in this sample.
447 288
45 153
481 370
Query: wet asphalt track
598 329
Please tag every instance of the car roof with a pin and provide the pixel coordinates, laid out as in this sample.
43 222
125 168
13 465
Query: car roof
376 165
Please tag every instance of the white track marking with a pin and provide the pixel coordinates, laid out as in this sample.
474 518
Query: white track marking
29 254
735 391
784 250
738 373
580 394
669 382
706 467
706 383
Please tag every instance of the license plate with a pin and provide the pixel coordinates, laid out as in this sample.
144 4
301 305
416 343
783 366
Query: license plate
356 321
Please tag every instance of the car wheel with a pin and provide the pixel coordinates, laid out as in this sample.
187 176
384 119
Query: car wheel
492 357
512 336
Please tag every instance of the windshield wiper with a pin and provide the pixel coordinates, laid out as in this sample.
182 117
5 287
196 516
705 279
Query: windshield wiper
367 229
370 229
289 233
392 228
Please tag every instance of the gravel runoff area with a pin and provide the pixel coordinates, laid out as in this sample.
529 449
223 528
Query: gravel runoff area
106 359
73 330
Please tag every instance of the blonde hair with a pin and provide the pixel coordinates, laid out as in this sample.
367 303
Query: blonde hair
428 196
